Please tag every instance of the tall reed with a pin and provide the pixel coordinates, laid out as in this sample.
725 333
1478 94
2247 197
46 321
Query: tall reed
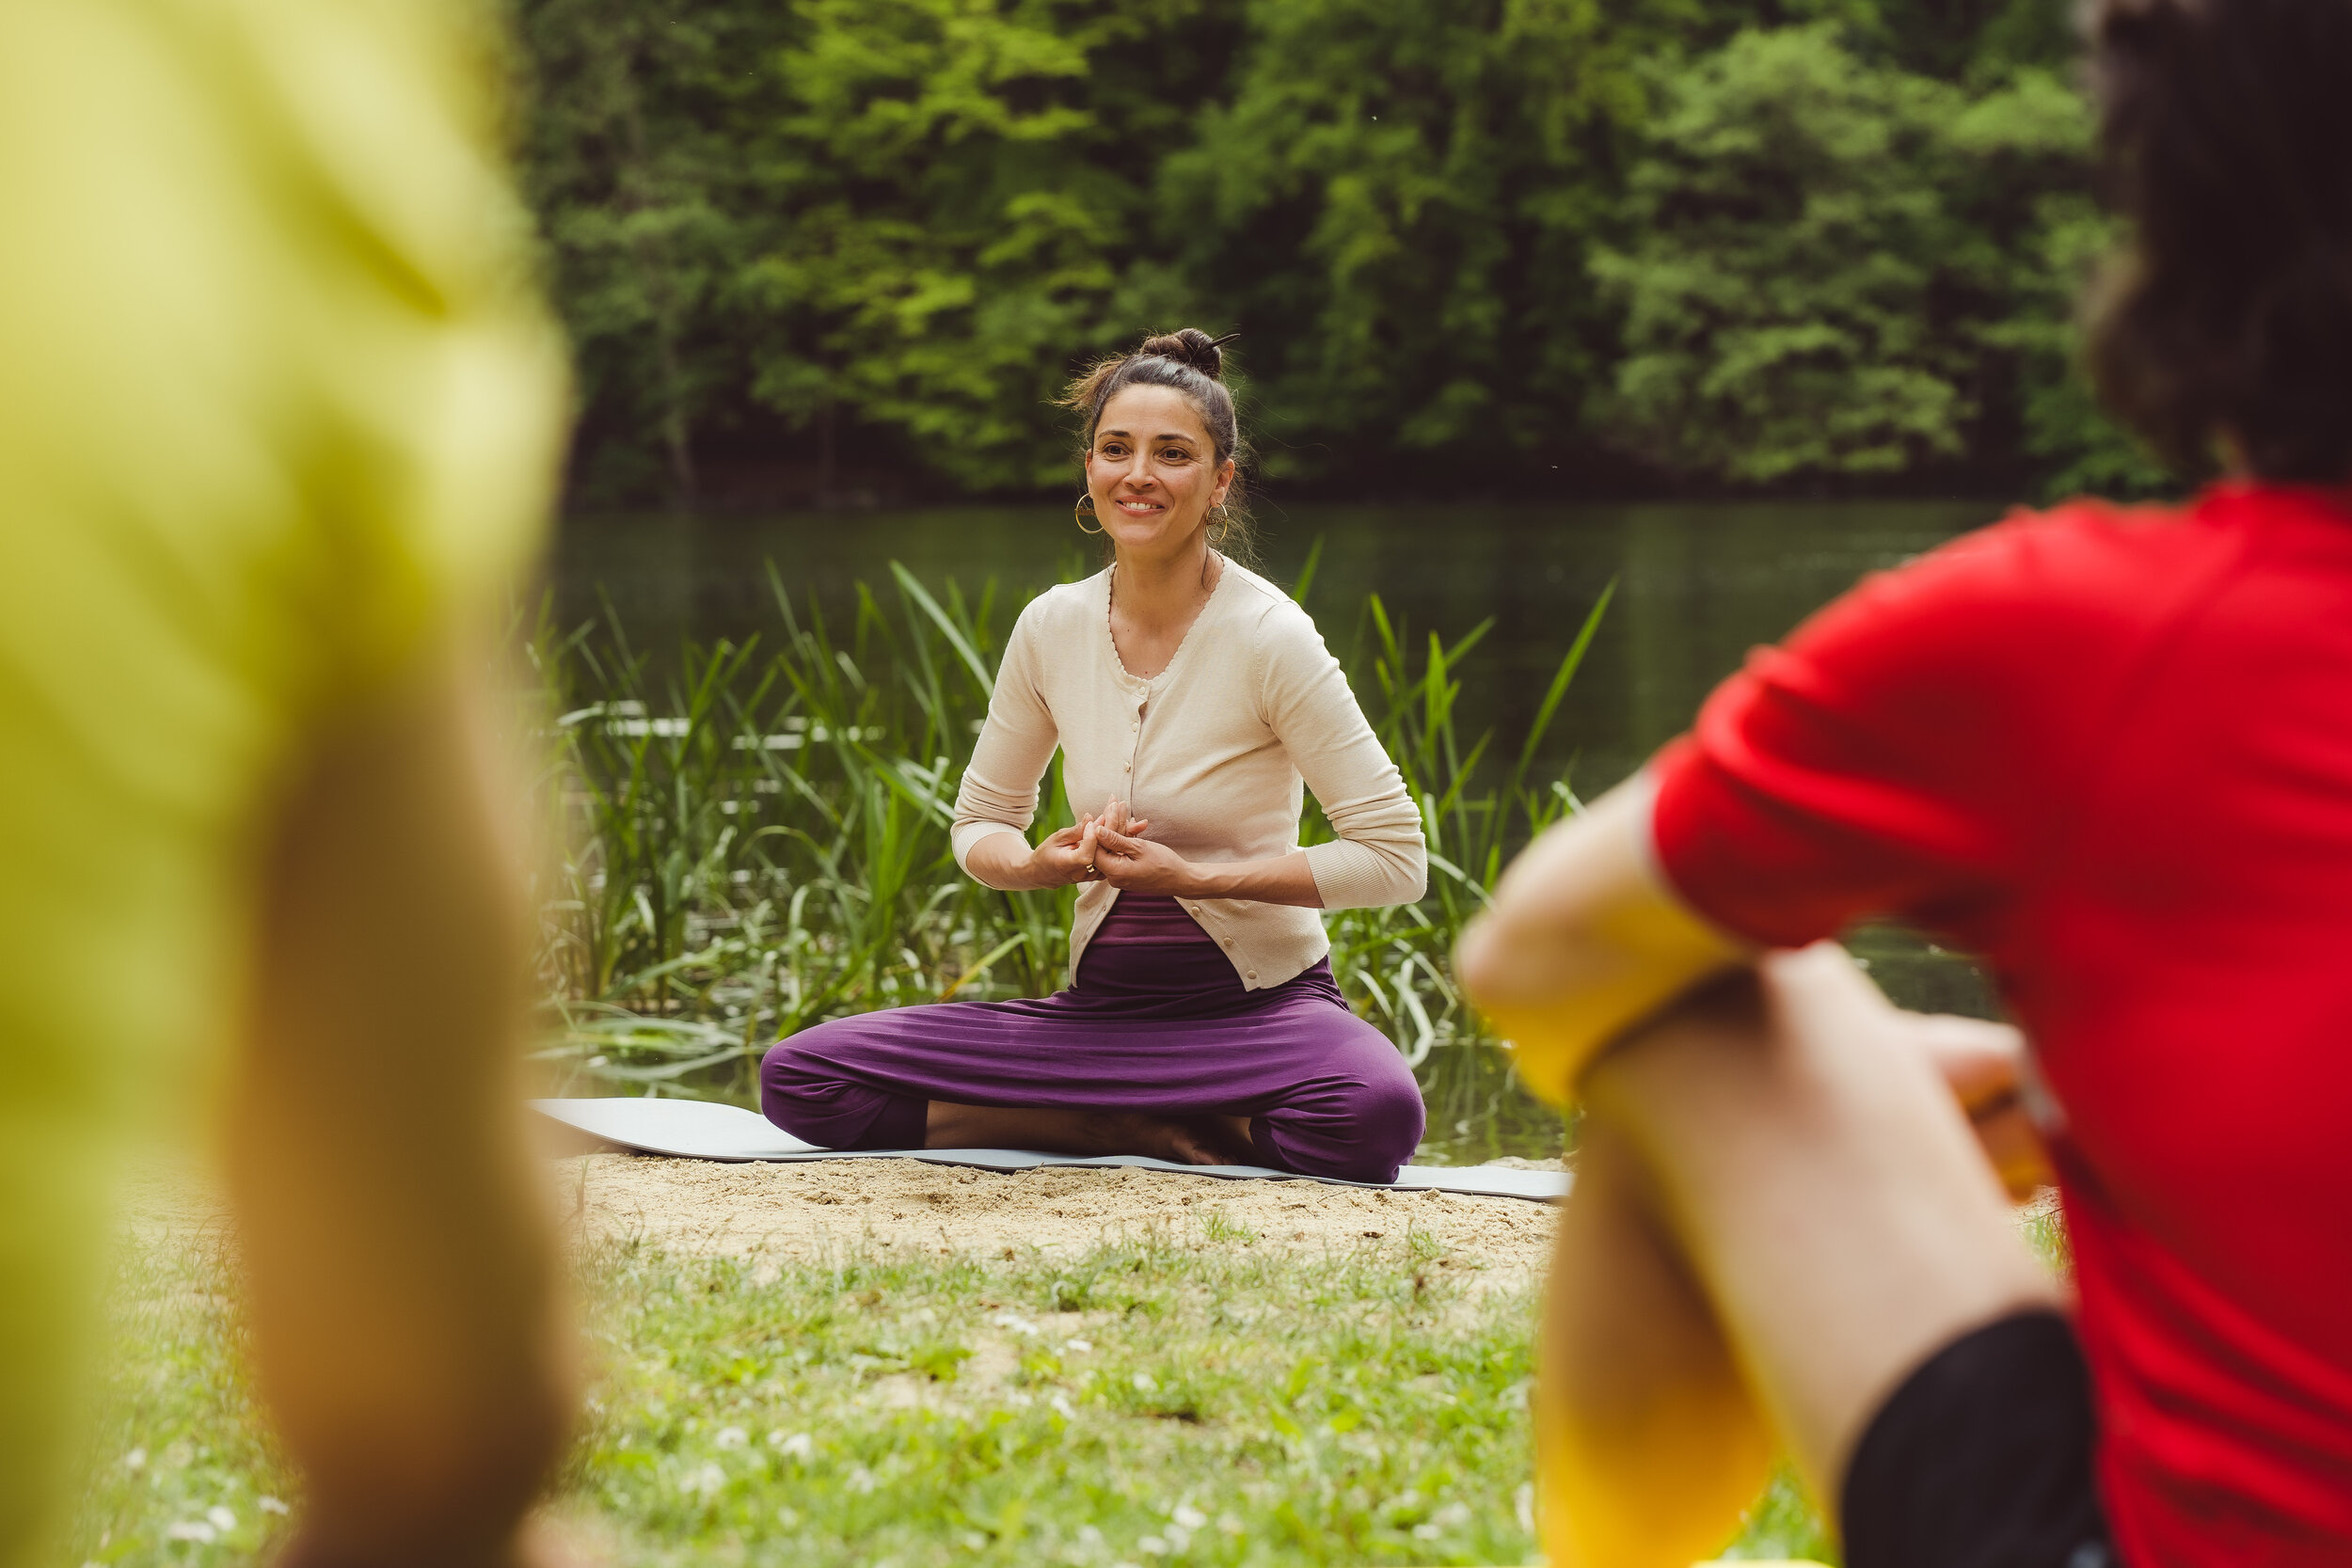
757 839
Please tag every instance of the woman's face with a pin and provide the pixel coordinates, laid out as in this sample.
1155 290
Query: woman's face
1152 471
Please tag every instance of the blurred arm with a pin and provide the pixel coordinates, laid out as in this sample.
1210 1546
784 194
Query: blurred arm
408 1335
1587 940
1584 939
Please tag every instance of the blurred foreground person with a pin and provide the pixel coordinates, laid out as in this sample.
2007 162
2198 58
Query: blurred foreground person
2112 750
278 418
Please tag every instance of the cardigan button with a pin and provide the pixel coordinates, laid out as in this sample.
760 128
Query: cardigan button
1253 974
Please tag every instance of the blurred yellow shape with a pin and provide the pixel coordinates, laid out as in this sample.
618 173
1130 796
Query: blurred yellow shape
1637 954
277 404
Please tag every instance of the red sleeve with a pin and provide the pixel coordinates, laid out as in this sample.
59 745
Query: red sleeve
1909 750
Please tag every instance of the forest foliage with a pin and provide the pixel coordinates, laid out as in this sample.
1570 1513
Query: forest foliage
1722 243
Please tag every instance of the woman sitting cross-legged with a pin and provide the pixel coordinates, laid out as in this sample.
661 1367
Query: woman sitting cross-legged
1190 699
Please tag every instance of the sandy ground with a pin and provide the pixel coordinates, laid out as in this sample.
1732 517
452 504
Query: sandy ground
803 1209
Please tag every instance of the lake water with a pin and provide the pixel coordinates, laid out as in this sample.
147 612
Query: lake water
1698 585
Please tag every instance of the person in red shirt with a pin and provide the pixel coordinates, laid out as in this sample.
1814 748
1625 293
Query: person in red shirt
2111 749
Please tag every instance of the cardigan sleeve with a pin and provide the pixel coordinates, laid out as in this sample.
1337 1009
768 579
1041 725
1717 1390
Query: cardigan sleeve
1379 857
998 794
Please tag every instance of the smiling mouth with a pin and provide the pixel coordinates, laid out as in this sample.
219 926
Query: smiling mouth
1140 508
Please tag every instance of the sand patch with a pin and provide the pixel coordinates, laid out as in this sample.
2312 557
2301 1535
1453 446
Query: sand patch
799 1209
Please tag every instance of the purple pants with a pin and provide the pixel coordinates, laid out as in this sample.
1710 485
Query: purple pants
1158 1022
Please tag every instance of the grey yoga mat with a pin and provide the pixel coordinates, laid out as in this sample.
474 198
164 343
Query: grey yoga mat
699 1129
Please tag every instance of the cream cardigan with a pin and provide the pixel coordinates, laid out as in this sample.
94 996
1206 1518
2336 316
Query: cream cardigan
1213 752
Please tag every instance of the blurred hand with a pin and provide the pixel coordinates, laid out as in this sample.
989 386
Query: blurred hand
402 1214
1985 1065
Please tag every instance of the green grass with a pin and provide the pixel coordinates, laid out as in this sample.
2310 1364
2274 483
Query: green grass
757 840
177 1440
1175 1400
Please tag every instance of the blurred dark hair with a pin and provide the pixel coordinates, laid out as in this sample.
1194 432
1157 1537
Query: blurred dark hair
1193 363
2227 137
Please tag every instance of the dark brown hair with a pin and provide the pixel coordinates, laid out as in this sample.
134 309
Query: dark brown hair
1192 363
2226 132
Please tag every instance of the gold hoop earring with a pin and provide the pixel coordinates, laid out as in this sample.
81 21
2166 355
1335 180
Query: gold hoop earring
1084 510
1222 525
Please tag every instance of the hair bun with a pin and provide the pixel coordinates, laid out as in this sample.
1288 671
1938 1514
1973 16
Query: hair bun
1191 347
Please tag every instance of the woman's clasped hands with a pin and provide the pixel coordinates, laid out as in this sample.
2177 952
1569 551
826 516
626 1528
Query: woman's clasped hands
1110 847
1128 860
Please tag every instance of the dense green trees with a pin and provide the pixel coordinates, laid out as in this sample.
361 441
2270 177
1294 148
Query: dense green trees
1838 266
1465 241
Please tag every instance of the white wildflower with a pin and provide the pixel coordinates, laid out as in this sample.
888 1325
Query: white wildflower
1144 1383
799 1444
1523 1504
1089 1536
1188 1517
1061 1406
861 1480
192 1530
1016 1322
1429 1532
1151 1546
1228 1524
222 1519
1178 1537
731 1437
1453 1515
708 1481
135 1460
1077 1347
272 1505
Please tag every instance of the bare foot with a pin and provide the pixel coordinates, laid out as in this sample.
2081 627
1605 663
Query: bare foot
1213 1141
1207 1140
1192 1141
